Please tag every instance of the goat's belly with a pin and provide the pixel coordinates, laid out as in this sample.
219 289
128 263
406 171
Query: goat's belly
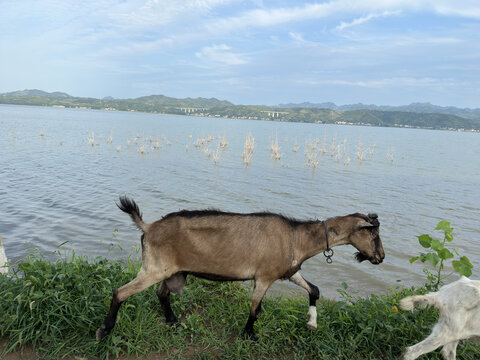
216 277
221 273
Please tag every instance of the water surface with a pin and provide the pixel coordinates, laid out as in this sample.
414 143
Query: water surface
55 187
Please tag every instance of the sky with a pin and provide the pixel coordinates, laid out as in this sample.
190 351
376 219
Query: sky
383 52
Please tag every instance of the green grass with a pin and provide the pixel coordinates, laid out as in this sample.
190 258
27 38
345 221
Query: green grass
55 309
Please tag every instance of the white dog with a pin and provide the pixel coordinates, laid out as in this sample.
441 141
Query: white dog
458 306
3 259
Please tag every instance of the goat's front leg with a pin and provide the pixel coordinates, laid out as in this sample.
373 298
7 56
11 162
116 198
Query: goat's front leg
259 291
313 295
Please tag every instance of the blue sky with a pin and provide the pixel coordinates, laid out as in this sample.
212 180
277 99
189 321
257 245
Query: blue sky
384 52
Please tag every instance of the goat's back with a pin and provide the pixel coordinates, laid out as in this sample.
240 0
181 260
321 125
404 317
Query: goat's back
463 294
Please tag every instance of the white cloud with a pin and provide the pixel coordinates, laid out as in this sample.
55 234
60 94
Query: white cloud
343 25
152 13
466 9
259 18
297 37
221 54
271 17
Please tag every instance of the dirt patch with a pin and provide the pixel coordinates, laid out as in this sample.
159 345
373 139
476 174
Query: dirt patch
28 354
25 354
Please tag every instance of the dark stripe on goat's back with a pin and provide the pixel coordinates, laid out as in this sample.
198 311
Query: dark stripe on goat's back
213 212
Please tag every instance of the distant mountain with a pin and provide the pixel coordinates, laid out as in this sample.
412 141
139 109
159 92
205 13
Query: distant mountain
417 115
152 100
34 92
192 102
423 108
152 103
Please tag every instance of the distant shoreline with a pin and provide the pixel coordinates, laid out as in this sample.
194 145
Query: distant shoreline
213 108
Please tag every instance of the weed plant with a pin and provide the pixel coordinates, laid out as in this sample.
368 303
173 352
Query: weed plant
439 255
55 308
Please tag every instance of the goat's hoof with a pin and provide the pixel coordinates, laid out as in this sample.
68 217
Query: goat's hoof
250 336
101 333
312 327
172 322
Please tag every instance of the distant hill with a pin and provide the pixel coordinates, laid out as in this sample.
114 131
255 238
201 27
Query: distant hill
417 115
21 93
466 113
39 97
192 102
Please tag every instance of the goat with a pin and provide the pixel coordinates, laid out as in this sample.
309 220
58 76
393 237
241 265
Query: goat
223 246
458 306
3 259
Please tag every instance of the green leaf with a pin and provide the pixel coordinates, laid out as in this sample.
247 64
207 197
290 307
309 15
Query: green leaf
463 266
466 261
444 226
432 258
449 237
413 259
445 254
425 240
437 245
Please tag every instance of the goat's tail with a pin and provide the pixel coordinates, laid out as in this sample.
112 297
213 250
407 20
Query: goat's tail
130 207
421 301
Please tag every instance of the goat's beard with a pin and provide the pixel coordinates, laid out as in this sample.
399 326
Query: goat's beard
360 257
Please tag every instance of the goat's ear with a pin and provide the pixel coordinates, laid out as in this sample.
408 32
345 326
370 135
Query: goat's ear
362 224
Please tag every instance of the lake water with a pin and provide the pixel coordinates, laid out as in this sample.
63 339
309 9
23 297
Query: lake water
56 187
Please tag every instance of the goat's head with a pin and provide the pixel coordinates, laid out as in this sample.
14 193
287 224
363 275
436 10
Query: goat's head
363 232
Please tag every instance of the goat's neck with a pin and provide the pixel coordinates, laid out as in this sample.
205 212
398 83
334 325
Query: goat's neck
310 239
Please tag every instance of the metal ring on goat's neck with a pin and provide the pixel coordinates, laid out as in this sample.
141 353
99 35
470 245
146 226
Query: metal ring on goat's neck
329 252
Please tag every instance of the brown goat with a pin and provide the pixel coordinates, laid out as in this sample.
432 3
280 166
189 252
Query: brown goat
227 246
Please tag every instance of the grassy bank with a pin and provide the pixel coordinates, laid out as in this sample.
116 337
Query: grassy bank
55 308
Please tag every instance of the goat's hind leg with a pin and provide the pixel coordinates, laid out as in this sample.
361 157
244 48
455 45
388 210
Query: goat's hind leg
449 351
434 341
140 283
313 295
163 294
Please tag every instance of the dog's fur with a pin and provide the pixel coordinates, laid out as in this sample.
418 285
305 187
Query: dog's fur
458 306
